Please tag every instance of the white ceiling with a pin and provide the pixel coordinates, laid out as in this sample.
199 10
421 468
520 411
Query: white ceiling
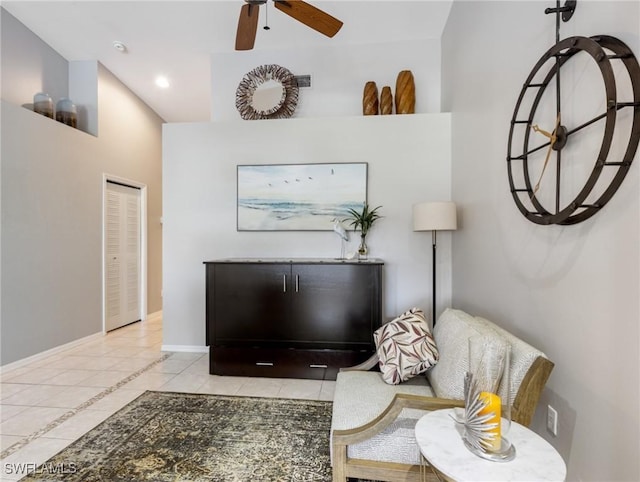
177 38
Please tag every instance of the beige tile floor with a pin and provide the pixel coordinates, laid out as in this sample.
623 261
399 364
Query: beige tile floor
49 403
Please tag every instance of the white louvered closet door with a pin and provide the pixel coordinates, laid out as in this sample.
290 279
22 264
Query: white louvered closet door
122 251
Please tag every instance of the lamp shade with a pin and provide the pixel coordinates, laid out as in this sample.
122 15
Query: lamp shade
435 216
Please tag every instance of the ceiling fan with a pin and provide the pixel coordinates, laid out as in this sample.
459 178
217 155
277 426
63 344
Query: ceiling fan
301 11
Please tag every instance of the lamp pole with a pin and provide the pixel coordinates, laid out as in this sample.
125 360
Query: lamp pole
434 217
433 274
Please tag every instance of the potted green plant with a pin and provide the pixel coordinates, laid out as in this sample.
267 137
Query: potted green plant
364 221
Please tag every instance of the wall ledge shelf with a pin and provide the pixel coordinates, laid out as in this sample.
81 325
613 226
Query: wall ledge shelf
29 107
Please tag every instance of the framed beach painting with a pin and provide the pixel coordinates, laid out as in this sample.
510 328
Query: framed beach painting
299 197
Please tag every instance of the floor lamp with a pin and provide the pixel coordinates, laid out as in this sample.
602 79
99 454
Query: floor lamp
434 217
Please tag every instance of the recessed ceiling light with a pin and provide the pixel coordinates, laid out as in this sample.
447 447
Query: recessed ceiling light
119 46
162 82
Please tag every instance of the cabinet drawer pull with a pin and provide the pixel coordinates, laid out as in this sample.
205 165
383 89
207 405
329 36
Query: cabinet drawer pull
284 283
264 364
317 366
297 283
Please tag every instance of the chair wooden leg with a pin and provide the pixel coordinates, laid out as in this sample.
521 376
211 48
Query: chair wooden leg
339 463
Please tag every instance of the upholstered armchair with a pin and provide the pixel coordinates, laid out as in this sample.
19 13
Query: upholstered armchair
372 435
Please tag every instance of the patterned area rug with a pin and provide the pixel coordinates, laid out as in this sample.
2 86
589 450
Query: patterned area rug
163 436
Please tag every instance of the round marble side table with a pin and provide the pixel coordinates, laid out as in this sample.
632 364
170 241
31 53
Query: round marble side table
441 445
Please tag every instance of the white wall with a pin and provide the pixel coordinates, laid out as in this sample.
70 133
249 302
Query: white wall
83 91
408 159
571 291
52 196
338 75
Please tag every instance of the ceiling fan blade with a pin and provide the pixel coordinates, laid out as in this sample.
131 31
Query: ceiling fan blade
310 16
247 27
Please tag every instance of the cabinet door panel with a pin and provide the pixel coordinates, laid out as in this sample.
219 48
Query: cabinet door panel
250 303
334 306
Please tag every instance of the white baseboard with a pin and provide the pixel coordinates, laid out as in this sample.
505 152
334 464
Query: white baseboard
39 356
186 348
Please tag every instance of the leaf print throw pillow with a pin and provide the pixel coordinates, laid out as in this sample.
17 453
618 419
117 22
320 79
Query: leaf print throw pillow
405 347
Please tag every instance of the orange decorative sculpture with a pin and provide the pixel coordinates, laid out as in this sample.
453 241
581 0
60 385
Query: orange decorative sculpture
370 99
405 93
386 101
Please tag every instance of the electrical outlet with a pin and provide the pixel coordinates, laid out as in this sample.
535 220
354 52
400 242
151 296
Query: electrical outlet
552 420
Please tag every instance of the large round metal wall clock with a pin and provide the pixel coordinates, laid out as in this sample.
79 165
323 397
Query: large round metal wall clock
575 127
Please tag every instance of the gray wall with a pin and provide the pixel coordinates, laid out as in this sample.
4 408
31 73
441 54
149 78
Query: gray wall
52 208
571 291
408 157
28 64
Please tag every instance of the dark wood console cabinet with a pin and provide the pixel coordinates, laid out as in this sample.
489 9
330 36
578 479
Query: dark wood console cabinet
291 318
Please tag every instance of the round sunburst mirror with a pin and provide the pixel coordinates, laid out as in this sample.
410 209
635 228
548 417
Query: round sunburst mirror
267 92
